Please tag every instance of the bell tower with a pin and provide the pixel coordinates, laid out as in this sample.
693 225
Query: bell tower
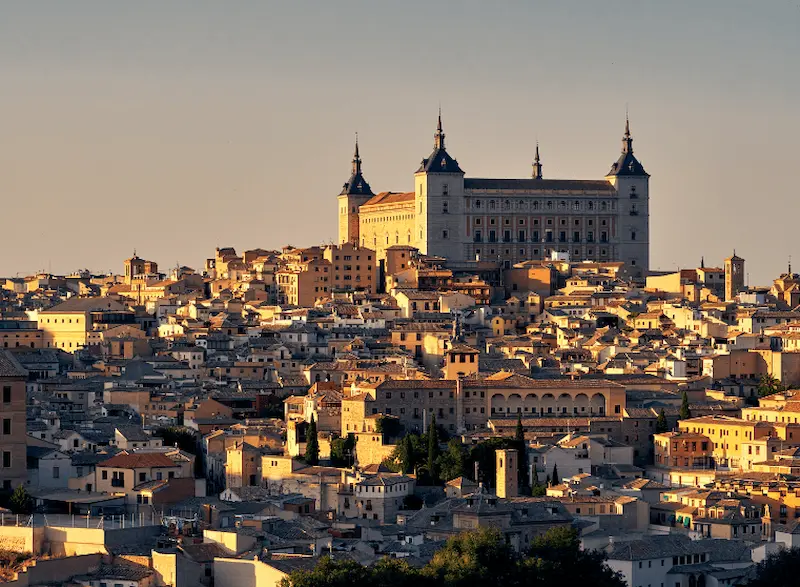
632 185
438 200
507 474
355 193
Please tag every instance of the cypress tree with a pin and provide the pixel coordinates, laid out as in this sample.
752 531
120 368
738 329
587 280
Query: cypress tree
685 412
312 444
433 450
661 423
522 460
556 478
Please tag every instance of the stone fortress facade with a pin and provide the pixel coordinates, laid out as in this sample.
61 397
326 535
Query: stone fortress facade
508 220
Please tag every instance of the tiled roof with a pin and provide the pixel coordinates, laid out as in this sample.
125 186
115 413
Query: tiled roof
10 367
137 461
390 198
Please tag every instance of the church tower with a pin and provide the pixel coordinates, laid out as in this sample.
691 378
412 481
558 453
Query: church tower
507 472
355 193
438 200
734 276
631 183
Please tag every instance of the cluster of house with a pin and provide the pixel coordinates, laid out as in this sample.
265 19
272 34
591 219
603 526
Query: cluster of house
159 422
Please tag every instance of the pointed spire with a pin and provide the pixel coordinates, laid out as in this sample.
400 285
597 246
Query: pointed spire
627 141
790 265
537 165
438 138
356 159
702 262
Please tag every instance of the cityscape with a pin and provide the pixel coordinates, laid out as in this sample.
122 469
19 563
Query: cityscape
459 380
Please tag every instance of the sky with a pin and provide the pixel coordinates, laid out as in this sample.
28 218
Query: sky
176 127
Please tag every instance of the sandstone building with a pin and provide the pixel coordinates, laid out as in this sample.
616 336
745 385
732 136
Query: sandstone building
511 220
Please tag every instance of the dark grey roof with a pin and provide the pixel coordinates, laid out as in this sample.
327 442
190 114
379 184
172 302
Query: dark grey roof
627 164
10 367
480 183
439 161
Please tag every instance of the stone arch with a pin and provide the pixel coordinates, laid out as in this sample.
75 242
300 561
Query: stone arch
597 404
514 403
565 404
548 404
580 404
531 403
498 404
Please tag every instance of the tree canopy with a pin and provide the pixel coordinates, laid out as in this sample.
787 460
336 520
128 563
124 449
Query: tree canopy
661 422
480 557
685 412
780 569
312 444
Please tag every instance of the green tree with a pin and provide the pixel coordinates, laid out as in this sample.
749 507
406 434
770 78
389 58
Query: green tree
21 501
389 426
661 422
556 478
433 450
483 454
330 573
537 489
451 464
685 412
312 444
522 449
768 385
474 558
342 451
779 569
555 558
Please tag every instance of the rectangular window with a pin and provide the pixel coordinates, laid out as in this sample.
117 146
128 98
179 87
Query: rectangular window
56 472
6 459
6 426
6 394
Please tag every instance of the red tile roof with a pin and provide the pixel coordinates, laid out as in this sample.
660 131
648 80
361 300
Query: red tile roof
138 461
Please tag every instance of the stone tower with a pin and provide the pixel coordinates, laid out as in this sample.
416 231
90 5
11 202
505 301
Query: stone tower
439 200
355 193
631 182
507 474
734 276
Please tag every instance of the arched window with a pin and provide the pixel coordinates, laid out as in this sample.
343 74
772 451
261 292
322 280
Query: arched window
491 204
603 206
576 205
549 204
477 203
536 205
590 205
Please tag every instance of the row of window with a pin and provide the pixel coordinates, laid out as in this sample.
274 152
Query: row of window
547 237
478 221
576 205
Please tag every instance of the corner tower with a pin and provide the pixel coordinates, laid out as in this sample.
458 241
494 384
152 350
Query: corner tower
631 183
439 201
355 193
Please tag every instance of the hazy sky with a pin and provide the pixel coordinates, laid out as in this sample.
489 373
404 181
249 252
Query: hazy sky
174 127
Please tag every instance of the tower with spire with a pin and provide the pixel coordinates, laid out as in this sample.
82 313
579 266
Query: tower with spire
537 164
439 201
355 193
631 182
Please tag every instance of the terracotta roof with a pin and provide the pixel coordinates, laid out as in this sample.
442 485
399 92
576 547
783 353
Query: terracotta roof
390 198
137 461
